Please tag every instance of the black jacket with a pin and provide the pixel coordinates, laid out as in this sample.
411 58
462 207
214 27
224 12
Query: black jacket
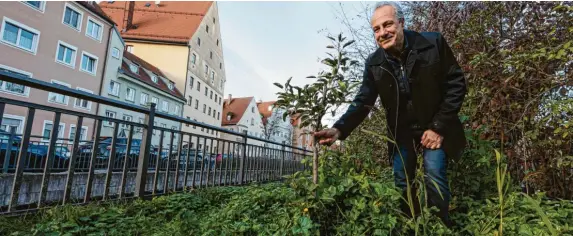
437 84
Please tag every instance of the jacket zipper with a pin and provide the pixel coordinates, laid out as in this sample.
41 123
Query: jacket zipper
397 105
397 100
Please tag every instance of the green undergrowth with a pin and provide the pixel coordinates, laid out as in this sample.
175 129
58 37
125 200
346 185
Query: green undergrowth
361 204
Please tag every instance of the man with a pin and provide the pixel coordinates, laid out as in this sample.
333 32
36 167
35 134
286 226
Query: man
421 87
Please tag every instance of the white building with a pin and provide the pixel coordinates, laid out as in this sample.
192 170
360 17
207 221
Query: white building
274 127
242 114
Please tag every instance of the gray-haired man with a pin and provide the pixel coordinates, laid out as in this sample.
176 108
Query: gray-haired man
422 88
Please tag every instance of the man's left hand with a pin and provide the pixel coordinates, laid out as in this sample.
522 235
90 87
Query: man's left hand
431 140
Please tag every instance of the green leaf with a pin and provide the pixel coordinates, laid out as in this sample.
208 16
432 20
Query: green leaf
278 85
348 43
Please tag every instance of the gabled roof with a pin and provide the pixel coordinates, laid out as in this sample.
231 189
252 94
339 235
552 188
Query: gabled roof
145 77
170 21
264 110
96 9
237 106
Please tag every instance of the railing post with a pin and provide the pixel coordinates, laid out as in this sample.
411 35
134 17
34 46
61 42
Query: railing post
9 150
243 157
144 153
282 160
15 192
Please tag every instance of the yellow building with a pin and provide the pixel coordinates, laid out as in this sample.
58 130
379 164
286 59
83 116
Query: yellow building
183 40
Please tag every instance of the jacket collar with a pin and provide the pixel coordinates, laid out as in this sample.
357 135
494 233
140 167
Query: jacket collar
413 39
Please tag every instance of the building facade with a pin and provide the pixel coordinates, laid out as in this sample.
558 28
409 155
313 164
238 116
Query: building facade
240 115
275 128
140 83
183 39
64 43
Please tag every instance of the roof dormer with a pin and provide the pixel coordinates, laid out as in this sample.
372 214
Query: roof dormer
170 85
134 68
154 78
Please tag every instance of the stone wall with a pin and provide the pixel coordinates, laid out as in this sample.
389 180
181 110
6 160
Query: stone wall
32 182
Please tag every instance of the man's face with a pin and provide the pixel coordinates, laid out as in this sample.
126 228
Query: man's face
388 30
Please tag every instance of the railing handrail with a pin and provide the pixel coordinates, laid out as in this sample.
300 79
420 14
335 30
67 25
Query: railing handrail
60 89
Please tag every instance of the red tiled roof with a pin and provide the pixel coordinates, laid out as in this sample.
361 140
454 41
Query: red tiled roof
264 110
237 106
143 76
95 8
171 21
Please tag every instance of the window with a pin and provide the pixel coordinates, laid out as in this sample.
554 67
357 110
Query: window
115 53
56 97
198 86
130 96
206 91
170 85
191 81
144 99
89 63
48 129
199 41
81 103
204 108
83 133
211 95
12 88
154 78
206 70
252 121
193 58
190 101
220 65
213 20
94 29
165 106
207 28
135 69
110 114
218 115
196 104
12 123
187 124
113 88
217 42
19 35
129 48
126 118
155 100
253 109
66 54
176 111
212 77
38 5
209 111
213 113
211 54
72 17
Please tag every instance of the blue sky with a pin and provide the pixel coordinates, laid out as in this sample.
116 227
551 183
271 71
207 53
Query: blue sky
267 42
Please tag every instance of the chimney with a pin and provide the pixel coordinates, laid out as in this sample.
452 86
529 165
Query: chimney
128 16
229 99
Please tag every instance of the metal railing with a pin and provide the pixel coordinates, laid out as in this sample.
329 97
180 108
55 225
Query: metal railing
43 170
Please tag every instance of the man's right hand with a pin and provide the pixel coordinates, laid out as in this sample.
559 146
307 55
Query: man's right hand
327 136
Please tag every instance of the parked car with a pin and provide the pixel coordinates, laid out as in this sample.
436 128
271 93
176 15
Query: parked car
37 153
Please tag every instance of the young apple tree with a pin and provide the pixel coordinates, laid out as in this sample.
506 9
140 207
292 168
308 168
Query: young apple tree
328 91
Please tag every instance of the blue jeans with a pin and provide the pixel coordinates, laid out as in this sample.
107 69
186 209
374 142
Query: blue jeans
435 164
